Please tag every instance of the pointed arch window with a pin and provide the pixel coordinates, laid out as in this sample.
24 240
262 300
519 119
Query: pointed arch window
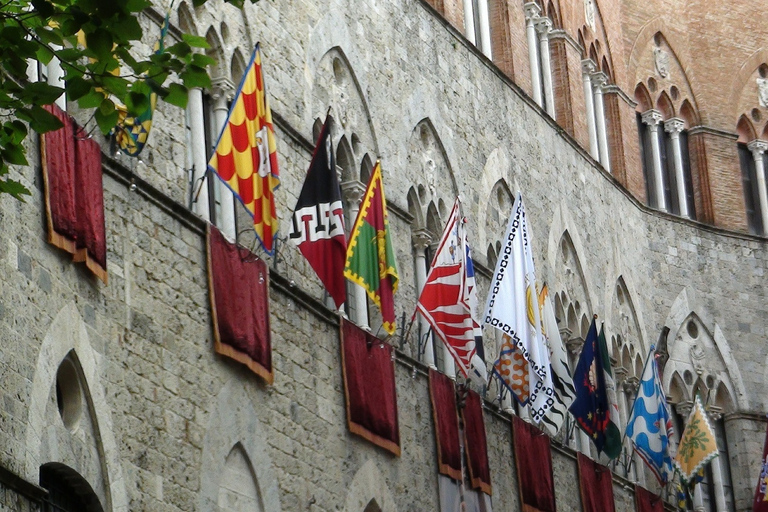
753 160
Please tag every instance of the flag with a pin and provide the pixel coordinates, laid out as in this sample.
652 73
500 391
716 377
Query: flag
444 300
591 408
513 309
477 370
697 444
650 423
760 503
317 226
561 372
370 256
246 157
613 435
131 132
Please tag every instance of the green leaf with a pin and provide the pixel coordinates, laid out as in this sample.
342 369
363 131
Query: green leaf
49 36
40 119
44 55
44 9
19 130
13 154
14 188
137 103
195 41
106 121
195 76
177 95
100 43
77 88
106 107
91 100
181 49
128 30
42 93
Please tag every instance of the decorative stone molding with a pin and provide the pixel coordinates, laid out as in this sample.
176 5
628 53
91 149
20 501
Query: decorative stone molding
684 409
590 14
674 125
574 345
352 192
222 88
758 147
588 67
762 92
543 26
532 11
652 117
661 61
630 386
421 239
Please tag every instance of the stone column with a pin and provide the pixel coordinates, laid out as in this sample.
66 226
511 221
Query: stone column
674 126
221 93
353 192
544 26
652 118
630 387
421 240
599 79
469 21
485 28
56 79
199 157
532 11
587 69
574 346
684 411
715 413
758 147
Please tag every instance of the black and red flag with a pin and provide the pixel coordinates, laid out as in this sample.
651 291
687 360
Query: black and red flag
317 226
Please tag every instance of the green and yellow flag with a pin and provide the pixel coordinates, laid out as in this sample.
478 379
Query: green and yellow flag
131 133
370 257
697 444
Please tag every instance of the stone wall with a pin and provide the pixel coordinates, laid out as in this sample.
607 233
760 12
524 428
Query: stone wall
167 412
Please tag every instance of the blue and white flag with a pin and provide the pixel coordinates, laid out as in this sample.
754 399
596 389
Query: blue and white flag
650 425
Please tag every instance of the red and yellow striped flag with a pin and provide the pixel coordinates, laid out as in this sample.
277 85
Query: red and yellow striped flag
246 156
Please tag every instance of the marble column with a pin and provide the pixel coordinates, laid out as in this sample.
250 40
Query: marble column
485 28
758 147
652 119
674 127
352 192
599 80
221 92
532 12
544 27
421 240
199 157
587 69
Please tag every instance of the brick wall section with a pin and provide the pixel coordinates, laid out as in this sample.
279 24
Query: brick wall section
624 144
702 196
453 10
501 36
561 77
725 185
578 102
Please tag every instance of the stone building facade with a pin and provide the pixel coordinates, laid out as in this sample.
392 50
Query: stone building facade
636 132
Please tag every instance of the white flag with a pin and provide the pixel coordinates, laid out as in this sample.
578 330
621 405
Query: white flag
513 309
561 372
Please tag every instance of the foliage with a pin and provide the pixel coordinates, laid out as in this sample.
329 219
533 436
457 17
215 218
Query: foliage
95 42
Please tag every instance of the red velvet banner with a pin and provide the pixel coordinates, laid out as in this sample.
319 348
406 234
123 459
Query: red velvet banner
91 234
443 394
646 501
476 444
369 387
239 293
596 486
534 467
74 194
